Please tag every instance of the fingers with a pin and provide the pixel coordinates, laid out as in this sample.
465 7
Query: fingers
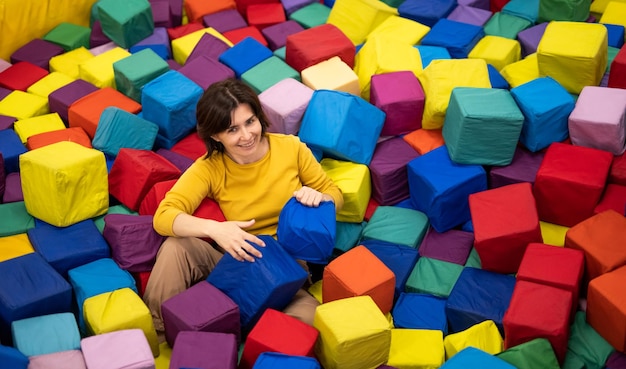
309 197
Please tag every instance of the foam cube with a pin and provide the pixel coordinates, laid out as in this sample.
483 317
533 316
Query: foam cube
134 172
211 350
13 188
60 99
158 41
441 77
208 46
529 38
421 347
21 75
341 141
483 336
563 10
30 287
126 348
420 311
381 55
388 170
86 111
276 35
74 134
117 310
570 182
400 259
470 129
354 333
133 241
400 29
183 46
536 353
616 72
598 119
316 44
22 105
478 295
370 15
425 12
470 14
457 37
99 69
424 140
605 310
237 35
538 311
442 196
597 237
203 308
278 332
18 221
497 51
268 360
244 55
28 127
13 358
59 194
133 72
312 15
95 278
196 9
284 103
546 106
452 246
331 74
170 101
206 71
553 266
574 54
471 356
14 244
119 129
224 20
523 168
401 97
396 225
68 62
267 73
434 277
264 15
38 52
125 22
270 282
68 358
358 272
46 334
69 36
614 197
48 84
505 221
65 248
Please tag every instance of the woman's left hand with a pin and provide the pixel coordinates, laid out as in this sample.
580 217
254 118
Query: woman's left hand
310 197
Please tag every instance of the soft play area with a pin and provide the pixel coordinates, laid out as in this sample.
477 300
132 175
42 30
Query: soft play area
479 146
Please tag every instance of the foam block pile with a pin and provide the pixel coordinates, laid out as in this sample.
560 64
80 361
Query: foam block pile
479 145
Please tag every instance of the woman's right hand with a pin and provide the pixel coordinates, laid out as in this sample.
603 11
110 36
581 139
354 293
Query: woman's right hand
230 236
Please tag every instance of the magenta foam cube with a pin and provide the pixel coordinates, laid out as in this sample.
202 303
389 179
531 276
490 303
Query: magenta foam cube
390 183
208 350
401 97
205 71
225 20
453 246
38 52
523 168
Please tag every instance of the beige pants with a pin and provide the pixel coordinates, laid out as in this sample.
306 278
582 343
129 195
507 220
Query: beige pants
183 262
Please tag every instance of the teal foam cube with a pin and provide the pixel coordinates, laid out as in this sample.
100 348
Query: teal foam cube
134 71
69 36
125 22
434 277
269 72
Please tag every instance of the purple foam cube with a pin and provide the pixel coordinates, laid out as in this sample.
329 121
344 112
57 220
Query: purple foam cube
158 41
200 308
617 360
276 35
225 20
37 52
173 64
60 99
13 188
208 350
401 97
470 15
388 170
530 37
206 71
6 122
180 161
208 46
134 242
97 37
480 4
284 104
453 246
291 6
523 168
4 92
161 13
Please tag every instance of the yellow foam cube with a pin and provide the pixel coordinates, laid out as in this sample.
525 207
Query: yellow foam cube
332 74
521 71
416 349
614 13
598 6
49 83
316 291
575 54
14 246
354 181
165 356
39 124
99 69
183 46
441 77
553 234
484 336
497 51
382 55
67 63
118 310
22 105
64 183
354 334
357 18
400 29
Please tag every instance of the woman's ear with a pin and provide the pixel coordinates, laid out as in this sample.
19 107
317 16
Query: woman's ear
214 137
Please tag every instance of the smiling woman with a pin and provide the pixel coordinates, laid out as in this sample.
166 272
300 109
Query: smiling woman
251 174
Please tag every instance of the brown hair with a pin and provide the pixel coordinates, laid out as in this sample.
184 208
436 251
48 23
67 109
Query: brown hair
214 109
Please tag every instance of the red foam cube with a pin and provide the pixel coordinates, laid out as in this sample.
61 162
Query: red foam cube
317 44
21 75
265 15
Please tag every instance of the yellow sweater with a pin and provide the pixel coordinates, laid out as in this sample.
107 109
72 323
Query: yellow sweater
250 191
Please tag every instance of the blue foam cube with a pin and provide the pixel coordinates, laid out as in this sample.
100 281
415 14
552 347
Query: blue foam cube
457 37
420 311
244 55
400 259
426 12
271 360
118 129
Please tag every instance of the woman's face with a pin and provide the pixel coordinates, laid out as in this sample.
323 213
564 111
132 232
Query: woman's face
243 139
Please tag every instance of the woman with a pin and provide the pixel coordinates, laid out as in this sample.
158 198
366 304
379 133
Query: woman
251 174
